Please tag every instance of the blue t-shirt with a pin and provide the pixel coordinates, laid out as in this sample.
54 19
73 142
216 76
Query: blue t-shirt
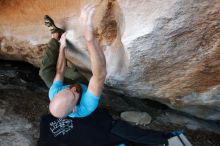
88 102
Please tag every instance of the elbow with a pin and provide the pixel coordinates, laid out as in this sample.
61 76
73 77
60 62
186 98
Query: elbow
60 70
103 75
46 77
99 79
99 74
60 67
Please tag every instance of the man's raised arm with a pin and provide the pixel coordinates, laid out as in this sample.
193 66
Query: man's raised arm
61 61
97 58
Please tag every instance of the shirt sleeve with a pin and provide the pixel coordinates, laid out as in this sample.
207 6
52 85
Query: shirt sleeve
89 102
55 88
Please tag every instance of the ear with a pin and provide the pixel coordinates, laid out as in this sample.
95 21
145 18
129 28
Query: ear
73 89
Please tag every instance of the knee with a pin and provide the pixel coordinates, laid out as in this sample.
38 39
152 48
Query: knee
42 74
46 77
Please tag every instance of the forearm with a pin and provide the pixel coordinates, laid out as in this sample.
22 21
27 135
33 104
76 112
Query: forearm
61 63
97 58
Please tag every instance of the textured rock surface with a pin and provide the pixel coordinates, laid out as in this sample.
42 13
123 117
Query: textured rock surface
165 50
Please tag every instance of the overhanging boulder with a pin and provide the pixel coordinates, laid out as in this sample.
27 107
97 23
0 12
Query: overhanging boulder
165 50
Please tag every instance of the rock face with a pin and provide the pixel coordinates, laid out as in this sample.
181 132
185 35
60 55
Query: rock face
165 50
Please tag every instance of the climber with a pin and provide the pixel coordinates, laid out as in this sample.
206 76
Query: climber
64 98
95 127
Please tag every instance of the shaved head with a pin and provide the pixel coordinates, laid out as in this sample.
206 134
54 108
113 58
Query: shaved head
62 104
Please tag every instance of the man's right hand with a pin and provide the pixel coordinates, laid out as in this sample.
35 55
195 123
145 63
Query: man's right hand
86 21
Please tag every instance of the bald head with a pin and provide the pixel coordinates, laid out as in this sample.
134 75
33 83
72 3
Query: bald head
62 104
